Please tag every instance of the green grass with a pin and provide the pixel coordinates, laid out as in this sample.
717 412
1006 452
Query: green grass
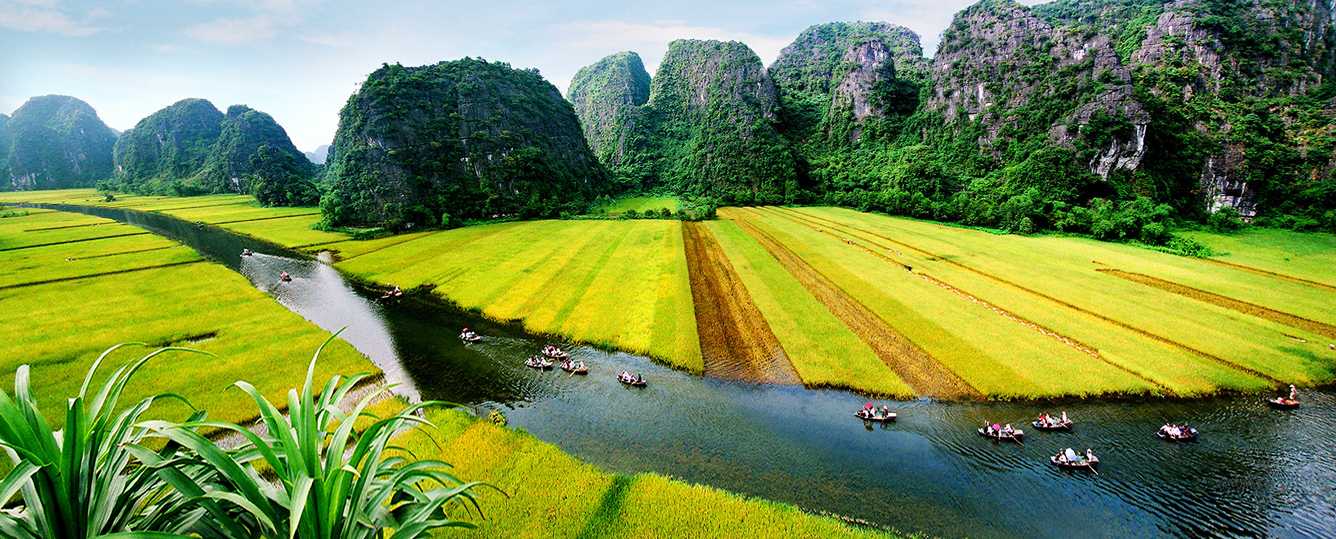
1307 255
640 205
59 328
555 495
822 349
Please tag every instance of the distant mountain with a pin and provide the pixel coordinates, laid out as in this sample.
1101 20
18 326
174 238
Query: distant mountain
191 147
318 155
460 139
708 126
53 142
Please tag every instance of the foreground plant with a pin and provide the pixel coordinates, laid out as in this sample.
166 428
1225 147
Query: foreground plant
81 481
331 478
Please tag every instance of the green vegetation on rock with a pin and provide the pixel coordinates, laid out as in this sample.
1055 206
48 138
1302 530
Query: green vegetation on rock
602 93
191 148
457 140
54 141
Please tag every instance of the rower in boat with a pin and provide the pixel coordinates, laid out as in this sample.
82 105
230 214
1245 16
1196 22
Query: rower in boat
1174 432
1288 402
872 413
1001 433
247 252
467 335
574 367
1048 422
629 379
1068 458
284 276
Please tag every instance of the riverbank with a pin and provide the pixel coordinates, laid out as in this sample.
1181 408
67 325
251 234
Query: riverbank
882 305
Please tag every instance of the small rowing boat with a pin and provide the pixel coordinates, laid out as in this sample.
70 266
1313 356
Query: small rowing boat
1177 433
1052 425
535 362
1068 459
553 352
875 417
633 380
574 367
1001 435
1283 403
247 252
284 276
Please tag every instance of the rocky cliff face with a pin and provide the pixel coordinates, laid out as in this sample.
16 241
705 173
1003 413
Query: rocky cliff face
604 94
460 139
52 142
715 110
1010 72
836 76
168 145
318 155
4 147
235 156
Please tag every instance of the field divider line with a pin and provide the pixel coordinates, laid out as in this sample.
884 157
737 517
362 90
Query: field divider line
582 288
165 210
1046 331
1268 273
101 274
1237 305
1064 303
105 255
270 218
915 366
63 227
81 240
736 340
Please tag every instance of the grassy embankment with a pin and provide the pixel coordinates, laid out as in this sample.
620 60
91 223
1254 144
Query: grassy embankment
73 285
1035 299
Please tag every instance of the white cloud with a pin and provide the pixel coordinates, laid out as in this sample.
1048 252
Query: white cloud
927 18
235 31
623 35
43 16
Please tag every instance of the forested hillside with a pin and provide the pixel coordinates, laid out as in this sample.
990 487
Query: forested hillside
51 142
457 140
1107 117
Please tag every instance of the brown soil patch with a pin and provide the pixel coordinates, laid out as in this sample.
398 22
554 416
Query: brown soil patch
915 366
1003 312
1267 273
735 340
1064 303
1251 309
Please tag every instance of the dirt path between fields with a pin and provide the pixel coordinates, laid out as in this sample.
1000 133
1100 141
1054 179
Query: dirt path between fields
924 374
1061 302
735 340
1250 309
1269 273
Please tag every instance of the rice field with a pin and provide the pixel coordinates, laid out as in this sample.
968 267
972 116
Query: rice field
621 284
551 494
64 303
882 305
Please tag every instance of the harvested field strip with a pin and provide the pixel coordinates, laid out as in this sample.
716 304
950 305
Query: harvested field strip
62 227
735 340
1251 309
1058 301
823 351
80 240
1268 273
1001 311
105 255
915 366
102 274
214 205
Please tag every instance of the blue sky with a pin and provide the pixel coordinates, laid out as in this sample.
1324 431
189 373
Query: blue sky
299 60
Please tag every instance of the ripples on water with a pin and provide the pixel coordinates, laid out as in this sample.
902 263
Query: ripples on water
1254 472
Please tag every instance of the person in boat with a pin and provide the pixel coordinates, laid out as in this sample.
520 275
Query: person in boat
283 276
995 429
1064 416
1043 418
885 411
246 252
1090 455
1294 393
